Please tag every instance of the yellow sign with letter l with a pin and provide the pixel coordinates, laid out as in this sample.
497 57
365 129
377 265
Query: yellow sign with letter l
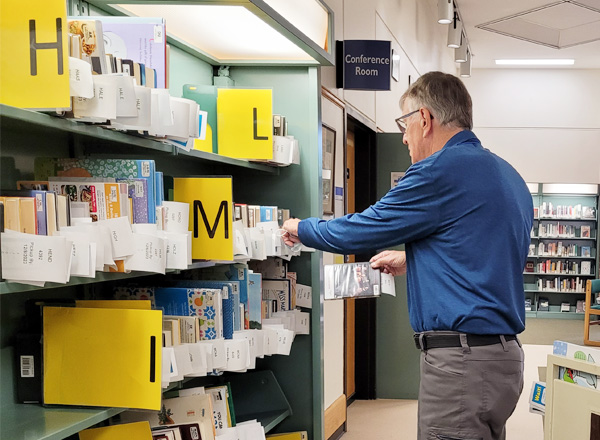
211 201
245 123
34 55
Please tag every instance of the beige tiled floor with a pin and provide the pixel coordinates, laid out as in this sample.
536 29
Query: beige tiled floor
396 419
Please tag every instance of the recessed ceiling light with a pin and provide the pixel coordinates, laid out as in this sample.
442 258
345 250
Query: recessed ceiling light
539 62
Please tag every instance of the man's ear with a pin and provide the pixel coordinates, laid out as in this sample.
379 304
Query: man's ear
426 122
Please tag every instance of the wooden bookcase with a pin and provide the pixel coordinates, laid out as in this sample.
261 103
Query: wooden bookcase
28 134
551 232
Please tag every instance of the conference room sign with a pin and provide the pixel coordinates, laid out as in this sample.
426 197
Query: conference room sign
363 64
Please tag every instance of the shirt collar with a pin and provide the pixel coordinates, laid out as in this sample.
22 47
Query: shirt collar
464 136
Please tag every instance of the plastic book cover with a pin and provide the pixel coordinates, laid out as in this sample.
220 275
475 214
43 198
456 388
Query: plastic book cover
351 280
140 39
105 168
255 301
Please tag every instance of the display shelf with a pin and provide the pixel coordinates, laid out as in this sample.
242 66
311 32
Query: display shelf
33 421
100 277
560 274
554 291
559 315
21 119
554 257
536 237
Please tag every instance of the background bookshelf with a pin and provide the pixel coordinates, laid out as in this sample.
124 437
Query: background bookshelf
296 94
564 249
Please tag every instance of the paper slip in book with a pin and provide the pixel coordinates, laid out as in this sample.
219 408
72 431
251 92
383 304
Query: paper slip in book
27 257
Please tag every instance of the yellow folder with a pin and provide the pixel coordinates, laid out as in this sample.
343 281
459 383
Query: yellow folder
115 304
102 357
127 431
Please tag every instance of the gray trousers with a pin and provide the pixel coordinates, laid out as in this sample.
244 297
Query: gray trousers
468 393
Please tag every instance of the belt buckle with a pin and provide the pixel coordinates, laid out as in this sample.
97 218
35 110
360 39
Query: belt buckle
417 338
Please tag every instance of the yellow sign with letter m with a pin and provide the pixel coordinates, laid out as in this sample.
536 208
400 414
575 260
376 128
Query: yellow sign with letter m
211 201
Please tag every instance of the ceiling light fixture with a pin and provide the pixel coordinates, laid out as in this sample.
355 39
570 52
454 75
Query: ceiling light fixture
538 62
445 11
454 32
465 68
460 54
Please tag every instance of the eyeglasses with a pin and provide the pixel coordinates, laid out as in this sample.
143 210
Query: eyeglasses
402 123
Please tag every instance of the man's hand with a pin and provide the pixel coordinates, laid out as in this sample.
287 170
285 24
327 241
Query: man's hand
392 262
291 232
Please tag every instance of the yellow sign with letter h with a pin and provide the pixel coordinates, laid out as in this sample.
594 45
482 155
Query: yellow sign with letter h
245 123
211 201
34 54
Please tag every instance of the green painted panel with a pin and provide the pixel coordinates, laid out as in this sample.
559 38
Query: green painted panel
397 359
296 94
185 69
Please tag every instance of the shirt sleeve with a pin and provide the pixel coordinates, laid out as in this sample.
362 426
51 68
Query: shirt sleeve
409 211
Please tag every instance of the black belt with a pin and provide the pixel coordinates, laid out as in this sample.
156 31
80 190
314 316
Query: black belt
444 341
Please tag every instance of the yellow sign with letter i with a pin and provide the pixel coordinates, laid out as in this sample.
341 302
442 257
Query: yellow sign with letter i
245 123
34 55
211 201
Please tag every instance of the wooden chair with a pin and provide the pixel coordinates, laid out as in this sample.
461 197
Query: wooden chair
592 288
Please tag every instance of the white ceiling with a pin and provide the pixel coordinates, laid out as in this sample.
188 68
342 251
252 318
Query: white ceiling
488 46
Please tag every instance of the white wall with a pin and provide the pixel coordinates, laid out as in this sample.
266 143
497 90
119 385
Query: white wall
546 123
333 311
412 27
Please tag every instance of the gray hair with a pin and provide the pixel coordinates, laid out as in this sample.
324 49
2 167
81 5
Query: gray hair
445 96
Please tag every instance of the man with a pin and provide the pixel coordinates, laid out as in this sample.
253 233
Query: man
465 216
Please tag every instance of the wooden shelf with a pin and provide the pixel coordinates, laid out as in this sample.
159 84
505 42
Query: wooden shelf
13 118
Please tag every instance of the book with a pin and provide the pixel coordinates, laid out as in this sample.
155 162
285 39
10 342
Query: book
586 251
92 43
137 190
543 304
529 266
586 268
204 303
39 197
351 280
178 411
141 40
254 300
528 304
585 231
580 306
588 212
83 190
565 307
104 168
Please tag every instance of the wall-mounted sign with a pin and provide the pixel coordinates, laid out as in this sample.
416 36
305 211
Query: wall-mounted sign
363 64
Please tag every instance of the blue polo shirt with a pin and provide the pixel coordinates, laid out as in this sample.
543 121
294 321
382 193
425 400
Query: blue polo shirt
465 216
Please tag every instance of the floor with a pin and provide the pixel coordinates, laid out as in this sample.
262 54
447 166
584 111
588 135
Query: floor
385 419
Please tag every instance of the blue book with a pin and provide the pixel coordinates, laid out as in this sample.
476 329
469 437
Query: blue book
160 187
206 304
268 213
229 300
232 272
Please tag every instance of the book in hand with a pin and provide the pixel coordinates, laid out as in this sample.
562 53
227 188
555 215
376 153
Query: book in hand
353 280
